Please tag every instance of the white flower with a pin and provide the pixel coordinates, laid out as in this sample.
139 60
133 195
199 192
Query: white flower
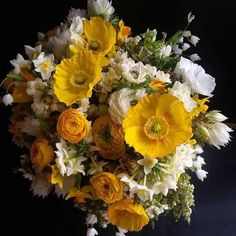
100 7
148 163
31 52
119 104
7 99
31 126
91 232
187 33
194 57
20 63
183 92
219 134
163 186
177 50
190 17
84 105
162 76
185 46
154 211
76 12
140 93
195 76
215 116
68 162
96 167
165 51
91 219
194 40
201 174
44 65
40 185
143 192
76 29
121 232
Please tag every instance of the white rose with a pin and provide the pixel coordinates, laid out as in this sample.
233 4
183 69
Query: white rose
119 104
195 76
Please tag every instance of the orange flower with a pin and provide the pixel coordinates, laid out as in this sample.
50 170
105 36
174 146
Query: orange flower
107 187
80 195
41 154
72 126
19 93
109 137
127 215
124 31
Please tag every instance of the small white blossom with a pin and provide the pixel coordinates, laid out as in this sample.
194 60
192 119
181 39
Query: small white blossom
100 7
84 105
183 92
154 211
7 99
148 163
91 219
195 57
185 46
92 232
177 50
190 17
187 33
44 65
201 174
121 232
96 167
20 63
194 40
162 76
165 51
76 12
33 53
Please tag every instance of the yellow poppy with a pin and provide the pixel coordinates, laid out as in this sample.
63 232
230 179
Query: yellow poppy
75 77
157 125
127 215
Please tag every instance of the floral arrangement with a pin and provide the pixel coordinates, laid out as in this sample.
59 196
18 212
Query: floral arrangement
114 122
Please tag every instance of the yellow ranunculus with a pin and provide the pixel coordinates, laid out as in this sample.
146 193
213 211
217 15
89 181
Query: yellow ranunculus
41 154
109 137
72 126
107 187
127 215
157 125
124 31
19 93
76 77
100 34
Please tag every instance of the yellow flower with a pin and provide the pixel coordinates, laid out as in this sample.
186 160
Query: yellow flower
100 34
158 85
41 154
109 137
157 125
80 195
201 106
72 126
124 31
75 77
127 215
107 187
55 177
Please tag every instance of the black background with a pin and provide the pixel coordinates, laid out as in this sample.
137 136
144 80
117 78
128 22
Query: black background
215 210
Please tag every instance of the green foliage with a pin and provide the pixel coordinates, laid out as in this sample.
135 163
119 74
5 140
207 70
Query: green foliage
81 148
181 201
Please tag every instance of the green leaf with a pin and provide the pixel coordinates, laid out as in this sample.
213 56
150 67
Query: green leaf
15 77
173 40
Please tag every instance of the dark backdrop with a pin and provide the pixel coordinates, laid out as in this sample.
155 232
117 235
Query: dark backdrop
215 210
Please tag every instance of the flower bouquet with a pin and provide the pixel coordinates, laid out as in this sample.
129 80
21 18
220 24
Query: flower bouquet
112 121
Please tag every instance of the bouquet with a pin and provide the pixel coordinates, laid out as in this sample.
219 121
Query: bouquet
114 122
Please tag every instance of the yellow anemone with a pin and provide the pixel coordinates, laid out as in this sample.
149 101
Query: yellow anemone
75 77
100 34
157 125
127 215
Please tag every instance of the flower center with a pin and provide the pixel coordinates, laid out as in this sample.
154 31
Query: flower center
79 79
45 66
94 45
156 127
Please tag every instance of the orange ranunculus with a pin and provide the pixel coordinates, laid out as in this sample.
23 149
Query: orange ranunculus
72 126
41 154
107 187
127 215
109 137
